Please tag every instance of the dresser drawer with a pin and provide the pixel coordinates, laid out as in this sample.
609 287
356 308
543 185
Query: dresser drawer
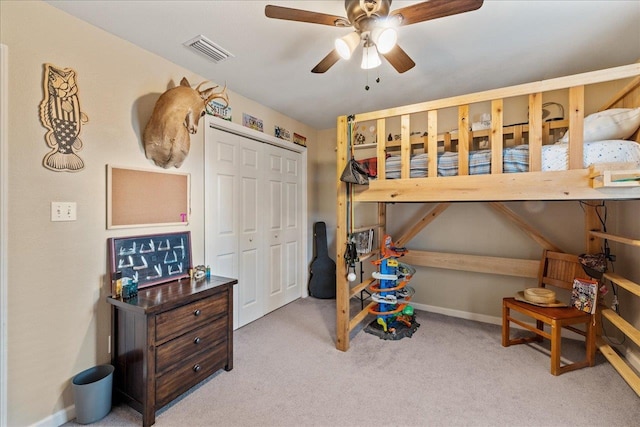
191 343
189 373
176 322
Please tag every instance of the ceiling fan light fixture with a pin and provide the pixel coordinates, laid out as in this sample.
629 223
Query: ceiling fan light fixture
370 58
347 44
384 38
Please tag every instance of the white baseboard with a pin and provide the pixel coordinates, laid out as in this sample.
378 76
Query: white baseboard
633 359
459 314
54 420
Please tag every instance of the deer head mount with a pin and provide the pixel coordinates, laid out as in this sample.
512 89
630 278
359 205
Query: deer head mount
176 115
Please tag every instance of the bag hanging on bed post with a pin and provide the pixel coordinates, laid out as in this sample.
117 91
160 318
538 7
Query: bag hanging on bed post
354 172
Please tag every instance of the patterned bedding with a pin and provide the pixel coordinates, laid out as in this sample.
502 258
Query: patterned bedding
516 159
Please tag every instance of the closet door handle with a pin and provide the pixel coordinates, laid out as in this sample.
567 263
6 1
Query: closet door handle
197 313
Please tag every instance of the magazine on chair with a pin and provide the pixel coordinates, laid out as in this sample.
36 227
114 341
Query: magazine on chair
584 295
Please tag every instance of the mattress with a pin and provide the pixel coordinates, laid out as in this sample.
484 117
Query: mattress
516 159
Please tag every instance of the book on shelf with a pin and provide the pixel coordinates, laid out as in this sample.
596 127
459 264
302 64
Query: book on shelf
584 295
363 241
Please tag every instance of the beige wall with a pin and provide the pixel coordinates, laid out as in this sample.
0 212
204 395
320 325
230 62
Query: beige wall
58 320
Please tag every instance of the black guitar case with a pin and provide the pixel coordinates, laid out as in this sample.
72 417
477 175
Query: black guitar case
322 283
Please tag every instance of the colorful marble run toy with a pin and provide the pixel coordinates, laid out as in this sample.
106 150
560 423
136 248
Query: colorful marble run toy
394 316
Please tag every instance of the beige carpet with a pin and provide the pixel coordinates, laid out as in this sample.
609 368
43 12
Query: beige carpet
452 372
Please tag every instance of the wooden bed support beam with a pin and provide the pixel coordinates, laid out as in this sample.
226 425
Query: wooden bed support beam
421 224
474 263
524 226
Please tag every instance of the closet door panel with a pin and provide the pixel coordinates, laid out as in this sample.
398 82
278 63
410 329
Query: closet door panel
222 206
251 294
275 296
292 230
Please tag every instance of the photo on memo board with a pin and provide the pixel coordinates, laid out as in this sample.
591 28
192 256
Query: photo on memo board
140 197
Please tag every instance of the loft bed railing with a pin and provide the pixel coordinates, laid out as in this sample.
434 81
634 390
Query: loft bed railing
572 184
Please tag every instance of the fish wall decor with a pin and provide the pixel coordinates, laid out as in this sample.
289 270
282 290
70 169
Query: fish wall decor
60 113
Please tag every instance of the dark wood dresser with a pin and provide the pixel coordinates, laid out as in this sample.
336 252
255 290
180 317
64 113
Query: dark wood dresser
169 338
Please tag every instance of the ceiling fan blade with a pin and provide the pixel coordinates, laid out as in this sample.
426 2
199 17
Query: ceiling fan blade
399 59
289 14
327 62
434 9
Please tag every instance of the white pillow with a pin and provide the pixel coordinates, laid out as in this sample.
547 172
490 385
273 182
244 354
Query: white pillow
616 123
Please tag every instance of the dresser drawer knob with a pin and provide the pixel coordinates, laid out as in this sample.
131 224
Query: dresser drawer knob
196 340
197 313
196 368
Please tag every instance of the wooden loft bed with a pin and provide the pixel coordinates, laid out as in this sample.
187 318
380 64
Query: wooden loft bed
575 183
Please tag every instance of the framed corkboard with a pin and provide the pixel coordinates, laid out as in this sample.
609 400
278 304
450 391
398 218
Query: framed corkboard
139 197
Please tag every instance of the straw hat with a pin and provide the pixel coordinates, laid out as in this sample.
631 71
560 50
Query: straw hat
540 295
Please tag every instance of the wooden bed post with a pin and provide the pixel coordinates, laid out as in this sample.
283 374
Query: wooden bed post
535 132
342 285
463 140
496 141
576 126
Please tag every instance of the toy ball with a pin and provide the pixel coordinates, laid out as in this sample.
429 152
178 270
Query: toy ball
351 277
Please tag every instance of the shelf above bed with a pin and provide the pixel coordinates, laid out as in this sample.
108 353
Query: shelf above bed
616 178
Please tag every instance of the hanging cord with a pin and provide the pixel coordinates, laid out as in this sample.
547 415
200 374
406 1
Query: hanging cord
350 255
601 212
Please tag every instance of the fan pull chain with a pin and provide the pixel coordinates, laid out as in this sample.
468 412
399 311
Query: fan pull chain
377 80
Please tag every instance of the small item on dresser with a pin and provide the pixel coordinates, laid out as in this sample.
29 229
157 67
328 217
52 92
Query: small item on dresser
126 288
129 288
199 272
116 284
208 273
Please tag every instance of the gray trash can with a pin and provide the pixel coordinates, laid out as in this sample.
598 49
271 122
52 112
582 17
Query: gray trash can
92 393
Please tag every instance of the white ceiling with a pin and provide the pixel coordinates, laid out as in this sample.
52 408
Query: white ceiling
503 43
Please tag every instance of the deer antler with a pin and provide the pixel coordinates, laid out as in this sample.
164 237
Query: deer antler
219 95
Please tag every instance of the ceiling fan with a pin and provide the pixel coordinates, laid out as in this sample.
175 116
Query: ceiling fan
374 27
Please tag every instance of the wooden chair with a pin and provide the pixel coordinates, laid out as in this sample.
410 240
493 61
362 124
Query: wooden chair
559 270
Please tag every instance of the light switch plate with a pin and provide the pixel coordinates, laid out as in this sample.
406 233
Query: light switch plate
63 211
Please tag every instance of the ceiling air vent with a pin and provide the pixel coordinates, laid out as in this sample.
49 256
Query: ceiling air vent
208 48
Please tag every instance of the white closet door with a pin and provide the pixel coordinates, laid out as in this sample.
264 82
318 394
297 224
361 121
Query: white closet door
233 236
251 301
293 211
222 206
283 226
275 238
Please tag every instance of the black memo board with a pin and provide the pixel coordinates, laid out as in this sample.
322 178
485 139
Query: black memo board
153 259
